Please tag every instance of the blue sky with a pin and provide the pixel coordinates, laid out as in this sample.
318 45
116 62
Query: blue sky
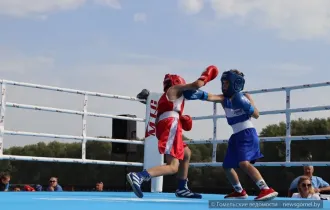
123 46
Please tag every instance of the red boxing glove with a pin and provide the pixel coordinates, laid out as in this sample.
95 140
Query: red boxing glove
186 122
210 73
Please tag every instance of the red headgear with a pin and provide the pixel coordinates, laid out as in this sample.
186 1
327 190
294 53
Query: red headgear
172 79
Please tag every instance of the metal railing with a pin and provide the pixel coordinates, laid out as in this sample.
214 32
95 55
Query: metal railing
288 138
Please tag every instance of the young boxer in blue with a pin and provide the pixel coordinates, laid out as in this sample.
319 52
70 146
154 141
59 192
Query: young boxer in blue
243 146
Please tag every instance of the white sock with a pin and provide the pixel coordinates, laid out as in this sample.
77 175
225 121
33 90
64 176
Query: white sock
262 184
238 187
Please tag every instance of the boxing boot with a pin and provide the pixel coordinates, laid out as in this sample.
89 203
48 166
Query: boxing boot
184 192
136 180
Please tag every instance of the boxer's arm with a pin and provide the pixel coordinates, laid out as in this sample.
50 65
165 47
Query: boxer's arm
256 111
202 95
176 91
215 98
209 74
190 86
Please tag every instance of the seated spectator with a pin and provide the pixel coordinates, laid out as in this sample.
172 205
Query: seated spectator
318 183
38 187
4 181
17 189
29 188
305 189
99 186
53 185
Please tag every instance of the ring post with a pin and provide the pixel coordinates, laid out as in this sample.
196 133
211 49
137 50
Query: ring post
152 157
214 152
84 129
288 128
2 117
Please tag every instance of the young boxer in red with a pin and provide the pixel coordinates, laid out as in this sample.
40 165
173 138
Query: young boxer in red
169 124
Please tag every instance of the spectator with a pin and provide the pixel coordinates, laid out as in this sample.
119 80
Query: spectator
4 181
38 187
53 185
318 183
29 188
99 186
305 189
17 189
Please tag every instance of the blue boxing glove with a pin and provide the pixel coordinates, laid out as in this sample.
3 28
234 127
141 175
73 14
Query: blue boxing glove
195 95
239 101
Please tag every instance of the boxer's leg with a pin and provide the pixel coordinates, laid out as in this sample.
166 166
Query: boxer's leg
171 167
229 164
249 152
184 164
183 191
136 179
167 145
233 179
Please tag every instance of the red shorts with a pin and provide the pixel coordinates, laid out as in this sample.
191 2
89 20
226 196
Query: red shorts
169 134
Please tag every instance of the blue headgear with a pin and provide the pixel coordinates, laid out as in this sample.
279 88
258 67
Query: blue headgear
235 83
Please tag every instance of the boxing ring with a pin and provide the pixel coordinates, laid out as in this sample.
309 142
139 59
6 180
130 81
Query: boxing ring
152 200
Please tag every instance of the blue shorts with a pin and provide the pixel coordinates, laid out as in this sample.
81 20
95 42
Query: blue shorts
242 146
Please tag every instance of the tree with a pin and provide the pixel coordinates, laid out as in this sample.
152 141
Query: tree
300 150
